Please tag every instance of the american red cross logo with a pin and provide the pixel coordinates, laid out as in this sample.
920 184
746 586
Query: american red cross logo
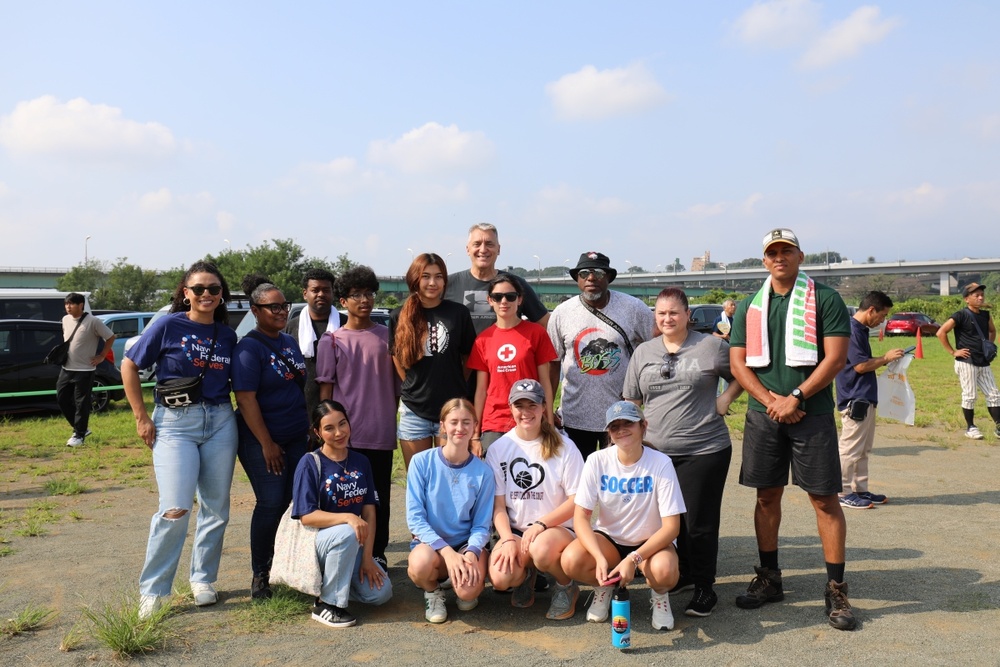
506 352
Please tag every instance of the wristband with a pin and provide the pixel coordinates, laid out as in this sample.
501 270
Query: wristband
636 558
544 527
509 539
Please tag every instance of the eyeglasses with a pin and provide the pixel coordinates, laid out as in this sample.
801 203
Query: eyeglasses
669 367
214 290
362 296
275 308
598 274
497 297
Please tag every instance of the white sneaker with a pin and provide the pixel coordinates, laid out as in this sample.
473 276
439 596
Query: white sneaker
600 603
76 441
434 609
149 605
466 605
204 594
972 433
663 617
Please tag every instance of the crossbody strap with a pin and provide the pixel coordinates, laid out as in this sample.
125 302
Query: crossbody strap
288 363
975 323
78 323
610 322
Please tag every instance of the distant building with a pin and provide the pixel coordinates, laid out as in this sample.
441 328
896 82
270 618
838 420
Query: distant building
702 263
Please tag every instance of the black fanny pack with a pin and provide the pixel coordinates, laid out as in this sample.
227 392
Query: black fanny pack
857 409
185 391
179 392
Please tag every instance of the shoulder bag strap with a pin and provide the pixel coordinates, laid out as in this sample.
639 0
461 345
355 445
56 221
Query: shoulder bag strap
610 322
78 323
291 366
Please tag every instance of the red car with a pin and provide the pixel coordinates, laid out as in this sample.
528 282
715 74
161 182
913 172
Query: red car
906 324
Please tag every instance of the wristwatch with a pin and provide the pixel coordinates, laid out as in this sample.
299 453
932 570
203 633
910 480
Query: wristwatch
797 394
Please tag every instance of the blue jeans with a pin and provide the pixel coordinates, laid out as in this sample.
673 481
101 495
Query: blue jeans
194 451
273 492
340 556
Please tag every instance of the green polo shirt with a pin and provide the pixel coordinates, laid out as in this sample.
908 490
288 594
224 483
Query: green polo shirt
832 320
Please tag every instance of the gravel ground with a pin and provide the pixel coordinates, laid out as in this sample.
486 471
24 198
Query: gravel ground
922 569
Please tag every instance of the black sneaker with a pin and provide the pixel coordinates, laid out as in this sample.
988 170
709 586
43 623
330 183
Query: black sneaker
838 609
260 587
335 617
765 587
684 583
702 602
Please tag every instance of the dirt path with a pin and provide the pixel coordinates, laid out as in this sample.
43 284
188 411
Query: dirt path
923 571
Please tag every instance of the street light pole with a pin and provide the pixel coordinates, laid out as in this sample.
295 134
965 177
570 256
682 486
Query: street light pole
86 255
539 280
631 273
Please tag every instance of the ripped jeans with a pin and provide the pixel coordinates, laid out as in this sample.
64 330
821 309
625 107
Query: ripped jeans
194 452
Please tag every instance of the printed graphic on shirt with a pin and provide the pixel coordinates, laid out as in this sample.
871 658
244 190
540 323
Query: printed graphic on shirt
507 353
197 350
526 476
595 355
626 487
346 488
476 302
437 338
279 366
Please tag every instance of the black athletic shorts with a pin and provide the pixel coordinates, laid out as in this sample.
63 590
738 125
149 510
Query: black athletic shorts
809 447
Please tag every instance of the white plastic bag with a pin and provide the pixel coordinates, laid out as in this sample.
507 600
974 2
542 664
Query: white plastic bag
895 397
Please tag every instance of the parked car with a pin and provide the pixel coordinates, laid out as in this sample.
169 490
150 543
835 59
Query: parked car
23 346
906 324
36 304
379 316
703 316
125 325
872 331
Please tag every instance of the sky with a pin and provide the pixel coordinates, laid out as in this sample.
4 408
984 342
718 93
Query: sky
644 130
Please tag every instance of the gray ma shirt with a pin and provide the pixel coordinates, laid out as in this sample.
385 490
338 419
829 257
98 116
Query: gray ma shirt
594 356
681 410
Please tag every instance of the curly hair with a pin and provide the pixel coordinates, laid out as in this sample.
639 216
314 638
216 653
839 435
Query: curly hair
411 330
177 304
359 277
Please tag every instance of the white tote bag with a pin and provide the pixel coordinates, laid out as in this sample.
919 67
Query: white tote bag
295 562
895 397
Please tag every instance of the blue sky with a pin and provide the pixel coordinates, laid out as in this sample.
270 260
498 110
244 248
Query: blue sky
647 131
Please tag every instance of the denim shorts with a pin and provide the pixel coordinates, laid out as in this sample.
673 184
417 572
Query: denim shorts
414 427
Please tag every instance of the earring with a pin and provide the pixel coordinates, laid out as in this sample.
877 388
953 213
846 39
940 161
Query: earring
186 301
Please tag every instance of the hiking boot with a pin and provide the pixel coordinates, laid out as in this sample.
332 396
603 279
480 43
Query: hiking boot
765 587
876 498
260 587
149 605
333 616
663 617
434 609
600 602
702 602
972 433
838 609
854 501
563 604
204 594
524 594
684 583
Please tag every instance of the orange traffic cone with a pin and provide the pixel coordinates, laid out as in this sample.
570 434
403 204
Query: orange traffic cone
881 334
919 354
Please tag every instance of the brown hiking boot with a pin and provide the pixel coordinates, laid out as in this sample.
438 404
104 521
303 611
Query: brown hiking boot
838 609
765 587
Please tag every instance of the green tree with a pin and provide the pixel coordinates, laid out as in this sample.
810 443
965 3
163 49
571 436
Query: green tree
84 277
282 260
748 263
128 287
832 257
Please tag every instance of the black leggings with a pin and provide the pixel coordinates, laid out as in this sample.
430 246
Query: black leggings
381 462
702 479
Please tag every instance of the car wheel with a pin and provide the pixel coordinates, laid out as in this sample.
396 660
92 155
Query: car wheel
99 399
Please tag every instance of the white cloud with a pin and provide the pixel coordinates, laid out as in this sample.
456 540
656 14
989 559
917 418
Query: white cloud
225 220
4 190
432 147
779 23
156 202
703 211
81 130
987 127
747 207
573 199
846 38
592 94
163 202
923 195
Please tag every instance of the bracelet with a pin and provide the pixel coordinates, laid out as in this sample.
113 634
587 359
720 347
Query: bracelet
544 527
636 558
509 539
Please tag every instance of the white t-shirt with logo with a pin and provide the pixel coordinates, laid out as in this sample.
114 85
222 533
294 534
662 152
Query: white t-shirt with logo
532 487
633 499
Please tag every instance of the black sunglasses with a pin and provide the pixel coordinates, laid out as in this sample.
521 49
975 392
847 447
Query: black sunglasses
669 367
497 297
275 308
214 290
597 273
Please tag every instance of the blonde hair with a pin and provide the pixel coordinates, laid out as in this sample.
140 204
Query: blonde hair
457 404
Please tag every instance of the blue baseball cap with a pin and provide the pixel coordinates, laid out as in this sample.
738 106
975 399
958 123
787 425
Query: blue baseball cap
623 410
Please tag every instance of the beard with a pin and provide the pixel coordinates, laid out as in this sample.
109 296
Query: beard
593 296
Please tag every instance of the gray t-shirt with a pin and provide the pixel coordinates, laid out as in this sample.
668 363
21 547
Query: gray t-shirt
681 410
471 292
83 348
594 356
